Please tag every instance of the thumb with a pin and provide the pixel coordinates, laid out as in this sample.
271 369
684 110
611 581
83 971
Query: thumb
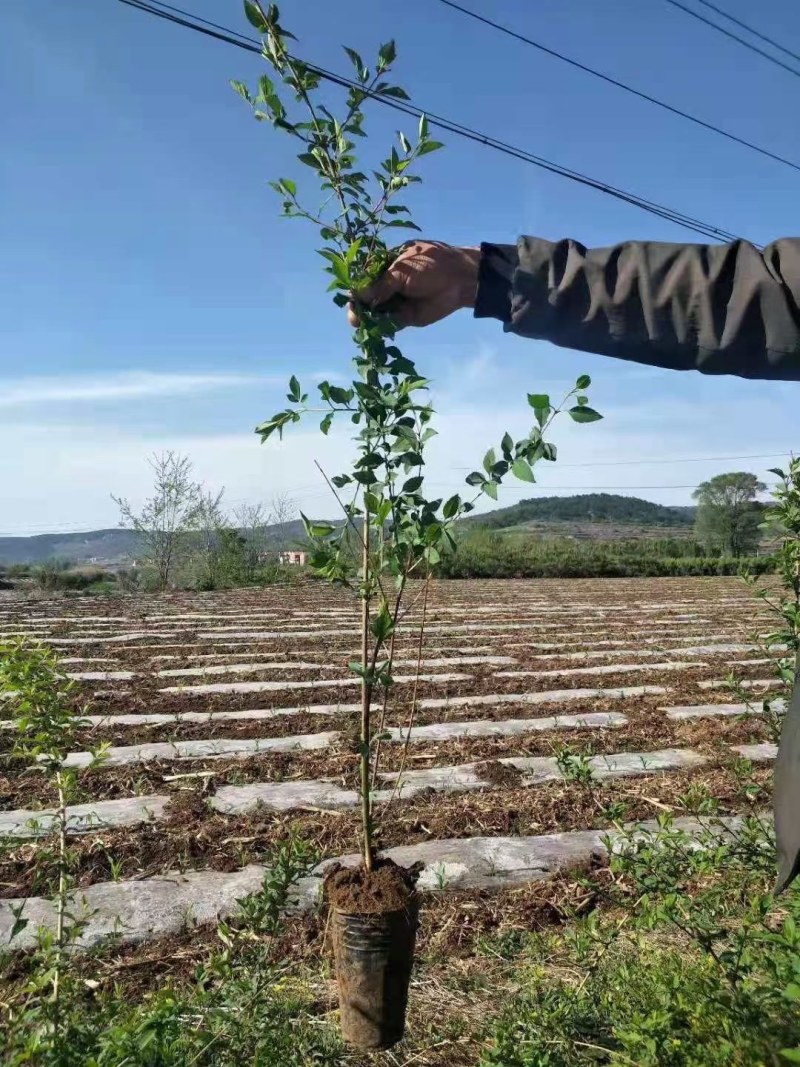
380 291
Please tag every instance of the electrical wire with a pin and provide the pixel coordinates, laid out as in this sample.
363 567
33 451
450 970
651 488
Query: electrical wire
733 36
306 493
618 84
671 460
211 29
750 29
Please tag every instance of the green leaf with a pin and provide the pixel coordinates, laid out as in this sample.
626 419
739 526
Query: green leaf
582 401
522 470
429 146
405 144
489 460
357 62
432 556
583 382
791 1054
394 91
242 90
339 395
507 445
316 530
423 127
490 488
451 506
294 389
254 16
325 425
387 53
476 478
341 480
412 485
365 477
267 90
584 414
538 400
381 625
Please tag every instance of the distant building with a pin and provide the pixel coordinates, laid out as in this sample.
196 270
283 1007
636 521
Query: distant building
293 559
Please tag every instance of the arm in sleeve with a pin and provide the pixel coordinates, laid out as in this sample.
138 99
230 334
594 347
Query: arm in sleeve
719 309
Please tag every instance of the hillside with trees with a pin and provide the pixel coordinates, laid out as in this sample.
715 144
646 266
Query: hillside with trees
586 508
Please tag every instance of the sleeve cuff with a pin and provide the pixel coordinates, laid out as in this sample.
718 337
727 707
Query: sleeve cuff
495 281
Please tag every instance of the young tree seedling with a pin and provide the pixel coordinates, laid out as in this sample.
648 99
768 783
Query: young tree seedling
396 530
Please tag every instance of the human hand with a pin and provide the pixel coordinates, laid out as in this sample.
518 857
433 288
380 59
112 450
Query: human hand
428 281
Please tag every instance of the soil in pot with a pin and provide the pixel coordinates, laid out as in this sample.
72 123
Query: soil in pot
374 919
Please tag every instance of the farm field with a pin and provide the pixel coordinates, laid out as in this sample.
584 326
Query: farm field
231 721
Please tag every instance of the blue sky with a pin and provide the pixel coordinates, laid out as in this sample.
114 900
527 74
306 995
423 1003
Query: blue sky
152 298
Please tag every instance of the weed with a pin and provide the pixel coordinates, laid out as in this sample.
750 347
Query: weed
575 767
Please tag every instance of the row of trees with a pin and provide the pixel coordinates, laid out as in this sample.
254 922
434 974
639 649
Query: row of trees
187 535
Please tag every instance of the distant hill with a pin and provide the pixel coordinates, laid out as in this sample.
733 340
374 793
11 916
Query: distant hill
109 547
588 508
594 516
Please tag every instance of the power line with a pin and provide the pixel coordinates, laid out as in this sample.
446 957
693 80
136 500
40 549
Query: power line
618 84
734 37
671 460
591 488
750 29
76 528
214 30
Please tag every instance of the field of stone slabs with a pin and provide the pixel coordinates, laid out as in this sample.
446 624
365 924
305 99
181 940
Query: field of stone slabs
231 720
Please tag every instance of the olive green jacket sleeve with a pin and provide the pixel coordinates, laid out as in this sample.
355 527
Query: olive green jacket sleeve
719 309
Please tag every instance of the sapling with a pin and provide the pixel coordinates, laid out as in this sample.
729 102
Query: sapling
46 727
398 531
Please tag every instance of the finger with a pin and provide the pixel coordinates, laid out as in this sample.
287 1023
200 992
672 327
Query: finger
379 292
394 282
400 311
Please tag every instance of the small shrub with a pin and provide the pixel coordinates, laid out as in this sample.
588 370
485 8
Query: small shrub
644 1003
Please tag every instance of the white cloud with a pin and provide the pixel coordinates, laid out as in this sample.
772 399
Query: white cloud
60 477
20 392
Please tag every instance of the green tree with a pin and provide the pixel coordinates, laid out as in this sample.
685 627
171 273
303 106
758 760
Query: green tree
167 518
728 514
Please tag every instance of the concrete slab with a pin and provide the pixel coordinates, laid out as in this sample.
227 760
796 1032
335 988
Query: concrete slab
101 676
752 683
116 639
552 696
153 907
610 668
98 815
757 753
708 711
216 748
245 668
449 731
324 794
282 686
